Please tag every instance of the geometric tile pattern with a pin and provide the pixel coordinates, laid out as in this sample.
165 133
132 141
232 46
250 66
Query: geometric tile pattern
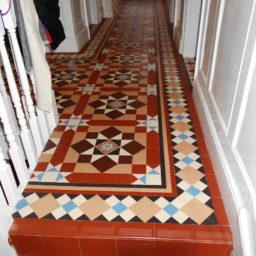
116 208
107 148
190 67
115 129
122 77
116 105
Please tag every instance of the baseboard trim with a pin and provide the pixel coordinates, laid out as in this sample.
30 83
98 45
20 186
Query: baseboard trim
235 192
74 44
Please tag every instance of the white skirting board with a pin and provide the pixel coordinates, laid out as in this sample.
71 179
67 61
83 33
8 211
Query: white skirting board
235 193
74 44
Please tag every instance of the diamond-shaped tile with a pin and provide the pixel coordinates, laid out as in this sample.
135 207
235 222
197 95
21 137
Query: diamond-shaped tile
145 209
103 164
197 211
133 147
94 207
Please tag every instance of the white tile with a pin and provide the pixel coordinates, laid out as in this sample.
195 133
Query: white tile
181 200
58 213
180 217
111 201
63 199
110 214
162 216
79 200
127 215
25 211
75 213
32 198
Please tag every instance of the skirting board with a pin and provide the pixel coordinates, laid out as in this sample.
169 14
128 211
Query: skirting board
74 44
231 183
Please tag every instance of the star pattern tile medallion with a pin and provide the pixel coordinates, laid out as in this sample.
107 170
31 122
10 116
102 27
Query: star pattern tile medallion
116 105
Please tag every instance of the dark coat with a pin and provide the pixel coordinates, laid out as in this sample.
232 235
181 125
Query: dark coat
49 13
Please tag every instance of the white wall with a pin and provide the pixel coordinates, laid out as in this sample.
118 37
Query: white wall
190 28
225 95
72 16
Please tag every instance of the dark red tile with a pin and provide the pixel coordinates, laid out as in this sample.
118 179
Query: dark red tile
97 229
204 249
213 186
41 166
128 247
208 169
62 148
139 169
98 247
174 232
124 179
26 227
136 230
174 248
28 245
213 234
59 228
220 211
62 246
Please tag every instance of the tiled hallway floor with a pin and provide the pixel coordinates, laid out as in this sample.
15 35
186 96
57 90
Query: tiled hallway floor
128 159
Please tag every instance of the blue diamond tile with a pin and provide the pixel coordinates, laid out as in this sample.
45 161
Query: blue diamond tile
193 191
21 204
179 117
176 102
183 136
119 208
69 206
170 209
187 160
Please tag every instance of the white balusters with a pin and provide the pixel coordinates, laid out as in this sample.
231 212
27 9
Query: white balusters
24 133
26 91
15 152
24 129
7 180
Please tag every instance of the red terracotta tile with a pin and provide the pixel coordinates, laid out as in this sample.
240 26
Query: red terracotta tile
62 148
139 169
28 245
174 232
124 179
67 167
97 229
41 166
60 228
62 246
202 146
198 132
220 211
213 186
136 230
135 247
81 105
204 249
98 247
174 248
207 164
215 234
26 227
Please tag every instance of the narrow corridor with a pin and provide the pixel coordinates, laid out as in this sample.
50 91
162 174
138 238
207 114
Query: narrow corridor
126 171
